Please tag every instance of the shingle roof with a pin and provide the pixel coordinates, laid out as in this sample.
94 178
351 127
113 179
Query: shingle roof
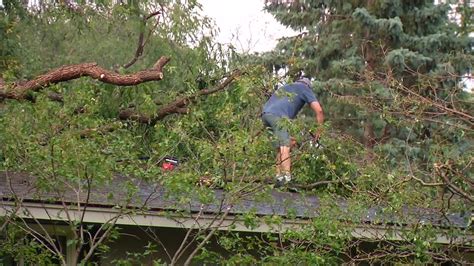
156 198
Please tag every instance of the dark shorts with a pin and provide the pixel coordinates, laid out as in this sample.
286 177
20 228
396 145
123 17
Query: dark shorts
281 135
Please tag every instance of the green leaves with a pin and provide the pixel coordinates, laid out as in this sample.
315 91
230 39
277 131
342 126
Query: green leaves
386 75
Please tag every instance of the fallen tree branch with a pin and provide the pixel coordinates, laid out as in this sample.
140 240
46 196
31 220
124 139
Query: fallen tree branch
141 38
318 183
445 171
130 114
178 106
20 90
457 190
55 97
99 130
461 115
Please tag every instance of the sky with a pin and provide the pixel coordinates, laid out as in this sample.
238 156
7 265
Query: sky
244 24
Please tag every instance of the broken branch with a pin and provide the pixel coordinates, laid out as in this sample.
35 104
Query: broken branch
178 106
141 39
20 90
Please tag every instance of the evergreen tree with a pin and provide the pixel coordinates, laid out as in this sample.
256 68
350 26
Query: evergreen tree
389 73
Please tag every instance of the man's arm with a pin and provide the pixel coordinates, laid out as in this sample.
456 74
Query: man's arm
318 110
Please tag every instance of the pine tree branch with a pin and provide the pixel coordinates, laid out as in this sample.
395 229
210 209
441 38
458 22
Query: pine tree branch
20 90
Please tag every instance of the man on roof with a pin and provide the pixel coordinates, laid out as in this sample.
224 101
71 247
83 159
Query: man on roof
285 104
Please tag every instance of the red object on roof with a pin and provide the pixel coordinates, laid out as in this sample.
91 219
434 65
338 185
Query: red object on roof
169 164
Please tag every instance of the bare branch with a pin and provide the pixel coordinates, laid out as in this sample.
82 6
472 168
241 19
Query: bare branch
182 247
461 115
209 235
319 183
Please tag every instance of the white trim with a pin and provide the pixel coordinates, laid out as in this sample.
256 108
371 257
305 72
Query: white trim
52 212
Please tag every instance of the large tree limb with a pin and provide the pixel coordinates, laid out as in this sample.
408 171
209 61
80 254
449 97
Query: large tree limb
178 106
20 90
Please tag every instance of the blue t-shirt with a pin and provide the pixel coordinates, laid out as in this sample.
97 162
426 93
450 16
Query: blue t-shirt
288 100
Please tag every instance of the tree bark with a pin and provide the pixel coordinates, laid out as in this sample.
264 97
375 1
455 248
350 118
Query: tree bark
20 90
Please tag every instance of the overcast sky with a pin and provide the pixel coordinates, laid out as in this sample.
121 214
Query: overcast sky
244 24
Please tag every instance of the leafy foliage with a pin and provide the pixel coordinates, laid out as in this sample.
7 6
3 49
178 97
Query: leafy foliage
399 131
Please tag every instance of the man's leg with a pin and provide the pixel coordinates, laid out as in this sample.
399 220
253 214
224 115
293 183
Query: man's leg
278 162
282 145
284 157
285 160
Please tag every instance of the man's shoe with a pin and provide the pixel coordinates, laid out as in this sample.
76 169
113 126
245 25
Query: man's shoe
282 180
279 183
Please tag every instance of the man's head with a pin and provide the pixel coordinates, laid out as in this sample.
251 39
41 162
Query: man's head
305 80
